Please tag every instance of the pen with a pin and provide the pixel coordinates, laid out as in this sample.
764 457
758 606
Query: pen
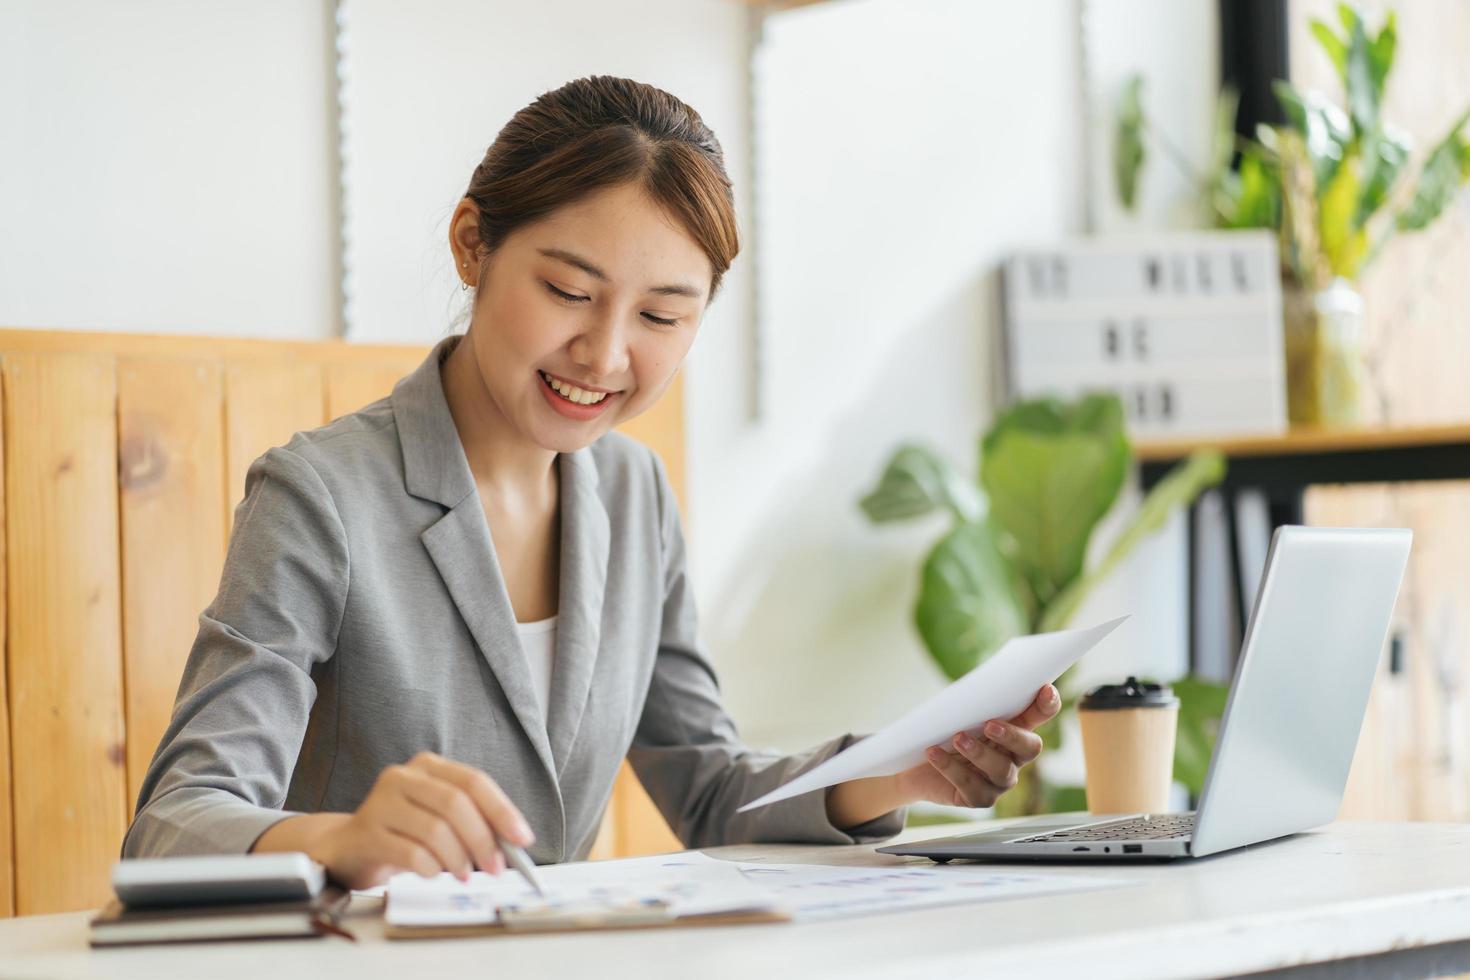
522 862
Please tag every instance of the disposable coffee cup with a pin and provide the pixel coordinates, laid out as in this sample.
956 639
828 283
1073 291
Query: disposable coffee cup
1128 742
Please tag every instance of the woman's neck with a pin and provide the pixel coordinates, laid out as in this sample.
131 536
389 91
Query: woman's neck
506 467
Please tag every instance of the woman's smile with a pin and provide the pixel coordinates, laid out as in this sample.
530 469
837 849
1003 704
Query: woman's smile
572 401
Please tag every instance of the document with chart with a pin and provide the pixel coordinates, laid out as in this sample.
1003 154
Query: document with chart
813 892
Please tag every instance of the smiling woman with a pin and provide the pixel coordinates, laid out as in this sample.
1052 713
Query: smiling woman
594 305
445 619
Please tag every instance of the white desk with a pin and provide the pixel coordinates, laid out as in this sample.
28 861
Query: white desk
1353 890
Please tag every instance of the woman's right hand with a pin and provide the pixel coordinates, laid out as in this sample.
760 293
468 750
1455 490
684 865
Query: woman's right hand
427 815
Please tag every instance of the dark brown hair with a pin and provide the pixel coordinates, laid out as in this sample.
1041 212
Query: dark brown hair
598 132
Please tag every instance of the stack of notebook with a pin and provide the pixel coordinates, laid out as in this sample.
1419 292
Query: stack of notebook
207 898
119 925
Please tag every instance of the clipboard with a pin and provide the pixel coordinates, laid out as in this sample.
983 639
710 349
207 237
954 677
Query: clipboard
581 917
655 892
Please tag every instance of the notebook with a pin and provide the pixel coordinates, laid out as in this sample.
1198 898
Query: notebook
119 925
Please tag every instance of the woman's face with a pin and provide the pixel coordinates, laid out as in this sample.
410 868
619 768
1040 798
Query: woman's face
601 299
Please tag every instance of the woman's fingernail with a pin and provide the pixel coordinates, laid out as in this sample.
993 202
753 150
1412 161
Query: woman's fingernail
963 741
994 729
935 753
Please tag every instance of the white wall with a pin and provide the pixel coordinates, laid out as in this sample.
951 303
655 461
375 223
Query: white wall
165 167
175 168
902 149
1175 45
428 88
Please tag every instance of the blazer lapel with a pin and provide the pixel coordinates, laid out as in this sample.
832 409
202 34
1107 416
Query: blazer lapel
459 543
585 541
464 553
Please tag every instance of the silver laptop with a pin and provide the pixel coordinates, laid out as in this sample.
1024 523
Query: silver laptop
1291 724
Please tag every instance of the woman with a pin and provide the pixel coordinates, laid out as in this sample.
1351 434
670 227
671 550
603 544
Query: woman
357 690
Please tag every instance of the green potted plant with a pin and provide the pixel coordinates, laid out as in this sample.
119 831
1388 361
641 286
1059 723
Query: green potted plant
1014 560
1333 183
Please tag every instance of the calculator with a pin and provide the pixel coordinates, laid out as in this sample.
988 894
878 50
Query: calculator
217 879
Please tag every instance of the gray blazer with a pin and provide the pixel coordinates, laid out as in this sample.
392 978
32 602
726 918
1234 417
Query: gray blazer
361 617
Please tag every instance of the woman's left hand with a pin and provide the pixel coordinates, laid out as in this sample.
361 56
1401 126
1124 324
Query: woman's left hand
977 766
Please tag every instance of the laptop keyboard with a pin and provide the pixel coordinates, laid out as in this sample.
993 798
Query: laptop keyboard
1163 826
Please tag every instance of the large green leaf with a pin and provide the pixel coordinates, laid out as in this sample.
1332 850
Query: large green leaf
1252 198
1381 51
1186 481
1384 153
1330 43
1063 799
1201 703
1362 63
970 601
1364 87
1260 193
1051 470
1446 168
1326 131
1128 147
918 480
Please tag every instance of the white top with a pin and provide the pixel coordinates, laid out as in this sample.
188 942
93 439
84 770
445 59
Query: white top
538 639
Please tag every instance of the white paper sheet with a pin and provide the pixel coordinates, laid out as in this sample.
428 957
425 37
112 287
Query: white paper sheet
1000 687
694 884
813 892
691 883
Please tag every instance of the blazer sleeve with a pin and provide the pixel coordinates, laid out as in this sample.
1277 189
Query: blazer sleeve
219 776
687 753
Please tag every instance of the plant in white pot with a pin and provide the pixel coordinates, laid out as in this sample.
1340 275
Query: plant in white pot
1334 183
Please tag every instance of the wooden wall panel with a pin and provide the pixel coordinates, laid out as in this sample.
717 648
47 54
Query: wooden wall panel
662 427
640 828
65 644
116 495
7 839
1413 759
266 402
605 846
632 825
233 349
351 386
172 483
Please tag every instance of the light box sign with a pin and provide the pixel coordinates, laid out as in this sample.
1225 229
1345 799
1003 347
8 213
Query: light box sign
1185 328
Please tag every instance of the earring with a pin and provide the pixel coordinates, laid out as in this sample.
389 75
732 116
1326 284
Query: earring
463 286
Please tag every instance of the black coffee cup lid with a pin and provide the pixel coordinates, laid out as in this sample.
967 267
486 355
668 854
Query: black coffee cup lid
1132 693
